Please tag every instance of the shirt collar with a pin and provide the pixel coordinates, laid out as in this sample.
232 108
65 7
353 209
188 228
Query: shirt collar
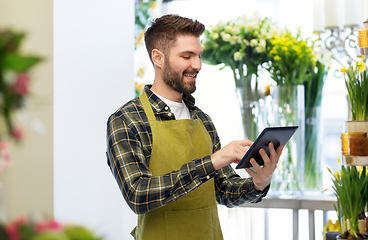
159 105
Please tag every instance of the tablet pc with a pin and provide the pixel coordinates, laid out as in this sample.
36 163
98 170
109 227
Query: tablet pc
277 135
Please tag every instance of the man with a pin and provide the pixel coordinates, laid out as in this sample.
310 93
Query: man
165 152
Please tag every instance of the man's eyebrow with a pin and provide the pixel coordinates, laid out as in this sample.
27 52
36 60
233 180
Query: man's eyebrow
190 52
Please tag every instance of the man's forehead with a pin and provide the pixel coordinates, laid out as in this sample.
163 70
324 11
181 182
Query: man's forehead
187 44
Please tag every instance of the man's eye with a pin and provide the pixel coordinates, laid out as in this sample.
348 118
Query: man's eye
186 57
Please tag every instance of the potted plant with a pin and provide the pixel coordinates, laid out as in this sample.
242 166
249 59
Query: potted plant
350 186
356 81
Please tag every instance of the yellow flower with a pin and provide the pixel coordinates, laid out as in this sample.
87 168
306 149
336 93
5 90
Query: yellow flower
140 73
360 65
139 87
332 227
276 58
138 41
344 70
153 5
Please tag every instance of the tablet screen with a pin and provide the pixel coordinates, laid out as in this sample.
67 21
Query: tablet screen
277 135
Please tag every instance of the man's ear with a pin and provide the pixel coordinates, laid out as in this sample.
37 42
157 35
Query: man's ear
158 58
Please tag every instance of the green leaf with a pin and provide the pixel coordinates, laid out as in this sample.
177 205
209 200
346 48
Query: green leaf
19 63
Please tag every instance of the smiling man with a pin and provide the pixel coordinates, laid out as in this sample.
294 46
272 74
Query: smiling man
165 153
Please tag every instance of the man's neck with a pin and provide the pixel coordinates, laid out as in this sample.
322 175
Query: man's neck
162 89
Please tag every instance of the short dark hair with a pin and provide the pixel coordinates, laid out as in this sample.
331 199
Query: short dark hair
164 30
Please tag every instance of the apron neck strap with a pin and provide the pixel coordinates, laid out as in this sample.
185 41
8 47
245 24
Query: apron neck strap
147 106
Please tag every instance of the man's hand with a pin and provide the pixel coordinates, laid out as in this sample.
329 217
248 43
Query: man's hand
262 176
231 153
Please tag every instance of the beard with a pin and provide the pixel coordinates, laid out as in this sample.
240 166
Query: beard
176 81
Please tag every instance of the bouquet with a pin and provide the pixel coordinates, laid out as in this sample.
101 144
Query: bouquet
290 65
291 58
242 45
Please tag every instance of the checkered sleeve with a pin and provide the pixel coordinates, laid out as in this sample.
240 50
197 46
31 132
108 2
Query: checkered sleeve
128 150
231 189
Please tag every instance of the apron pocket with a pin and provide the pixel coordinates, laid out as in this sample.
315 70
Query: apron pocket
193 224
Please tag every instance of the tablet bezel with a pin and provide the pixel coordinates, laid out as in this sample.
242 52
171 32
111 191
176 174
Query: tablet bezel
277 135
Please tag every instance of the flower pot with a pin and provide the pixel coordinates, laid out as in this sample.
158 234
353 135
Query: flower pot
313 183
287 109
249 109
356 126
365 238
331 235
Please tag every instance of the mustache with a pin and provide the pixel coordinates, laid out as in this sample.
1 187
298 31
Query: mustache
191 72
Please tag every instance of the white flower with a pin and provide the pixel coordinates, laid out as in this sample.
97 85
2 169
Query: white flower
264 31
253 42
262 42
239 40
214 35
229 29
10 77
246 42
236 30
226 37
237 56
260 49
323 56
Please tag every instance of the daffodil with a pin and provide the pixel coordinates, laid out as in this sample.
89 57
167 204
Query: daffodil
356 82
349 186
292 58
360 66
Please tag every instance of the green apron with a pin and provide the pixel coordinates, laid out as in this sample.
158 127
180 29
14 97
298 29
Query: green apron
193 216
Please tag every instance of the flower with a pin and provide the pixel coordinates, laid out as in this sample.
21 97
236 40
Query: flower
332 227
241 44
248 37
17 133
291 58
356 82
14 85
350 188
20 86
27 229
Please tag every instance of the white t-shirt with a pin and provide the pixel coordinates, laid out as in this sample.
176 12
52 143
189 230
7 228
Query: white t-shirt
180 110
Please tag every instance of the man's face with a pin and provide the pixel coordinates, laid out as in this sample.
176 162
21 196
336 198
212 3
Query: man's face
183 64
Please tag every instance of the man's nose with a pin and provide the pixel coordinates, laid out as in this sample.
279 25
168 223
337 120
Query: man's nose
197 63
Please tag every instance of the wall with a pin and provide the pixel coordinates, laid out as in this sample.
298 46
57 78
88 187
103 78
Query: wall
93 76
28 184
60 168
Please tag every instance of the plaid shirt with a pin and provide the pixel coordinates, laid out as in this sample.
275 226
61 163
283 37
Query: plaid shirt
129 142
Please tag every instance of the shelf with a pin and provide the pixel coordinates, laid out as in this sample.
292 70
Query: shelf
355 160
